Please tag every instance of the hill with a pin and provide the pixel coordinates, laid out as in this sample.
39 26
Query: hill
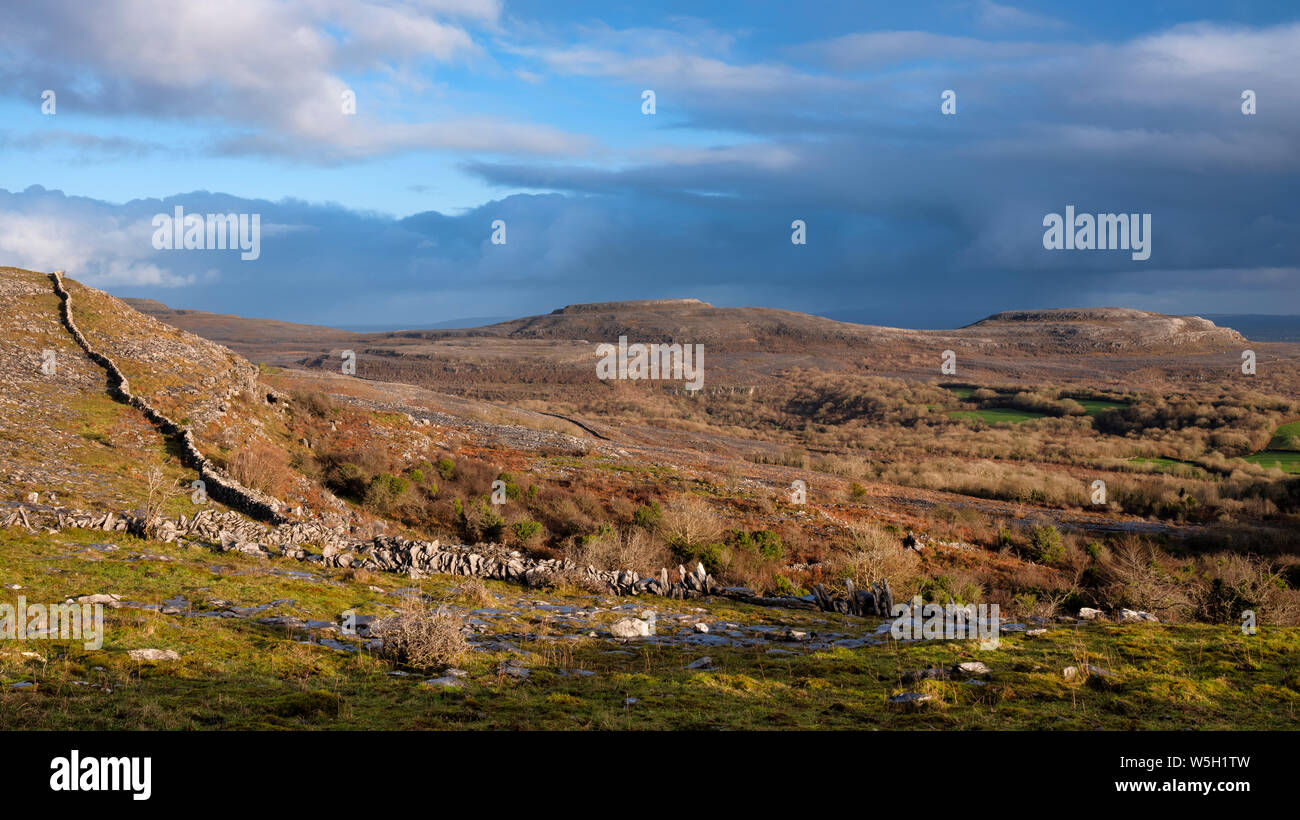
533 517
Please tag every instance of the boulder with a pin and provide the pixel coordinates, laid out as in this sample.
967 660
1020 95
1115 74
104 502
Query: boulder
972 668
630 628
154 655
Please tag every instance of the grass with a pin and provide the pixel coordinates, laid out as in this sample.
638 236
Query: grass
235 673
1281 453
1282 436
996 415
1171 466
1286 460
1096 407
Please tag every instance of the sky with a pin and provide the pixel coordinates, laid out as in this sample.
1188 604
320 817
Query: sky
532 112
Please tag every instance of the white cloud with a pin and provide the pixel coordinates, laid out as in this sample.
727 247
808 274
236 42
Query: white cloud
98 243
273 71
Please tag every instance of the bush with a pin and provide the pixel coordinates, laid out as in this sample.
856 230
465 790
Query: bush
784 586
688 523
313 402
480 521
446 468
1045 545
764 542
526 532
261 467
385 492
635 550
512 489
1235 584
422 638
648 515
874 554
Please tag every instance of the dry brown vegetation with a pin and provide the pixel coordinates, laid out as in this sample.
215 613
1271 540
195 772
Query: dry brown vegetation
422 637
861 414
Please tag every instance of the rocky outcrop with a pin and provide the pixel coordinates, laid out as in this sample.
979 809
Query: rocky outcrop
219 486
879 601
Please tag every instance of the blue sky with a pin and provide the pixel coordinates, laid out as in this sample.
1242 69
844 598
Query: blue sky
529 111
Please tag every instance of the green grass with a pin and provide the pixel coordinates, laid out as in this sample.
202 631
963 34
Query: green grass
996 415
1282 437
1286 460
1158 460
1096 407
962 392
1281 452
235 674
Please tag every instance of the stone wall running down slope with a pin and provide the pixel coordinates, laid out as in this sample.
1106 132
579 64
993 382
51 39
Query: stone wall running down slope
219 486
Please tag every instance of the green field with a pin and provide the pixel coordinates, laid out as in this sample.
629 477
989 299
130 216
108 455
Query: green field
1287 460
1099 406
1172 466
996 415
962 392
1282 451
1282 437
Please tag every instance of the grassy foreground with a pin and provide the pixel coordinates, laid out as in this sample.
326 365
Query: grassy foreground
235 673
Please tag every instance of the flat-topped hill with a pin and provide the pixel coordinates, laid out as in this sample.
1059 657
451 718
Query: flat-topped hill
632 304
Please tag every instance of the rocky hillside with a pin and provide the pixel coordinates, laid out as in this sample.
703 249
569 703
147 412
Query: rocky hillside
100 396
1106 329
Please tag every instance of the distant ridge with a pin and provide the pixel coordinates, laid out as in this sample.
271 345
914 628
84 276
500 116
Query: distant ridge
1066 331
632 304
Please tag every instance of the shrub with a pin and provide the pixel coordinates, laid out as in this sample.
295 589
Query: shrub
421 637
648 515
385 491
962 588
313 402
512 489
480 521
784 586
635 550
690 522
261 467
1045 545
446 468
526 532
1235 584
874 554
763 542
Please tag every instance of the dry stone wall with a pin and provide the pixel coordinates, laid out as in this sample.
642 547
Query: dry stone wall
334 546
218 485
